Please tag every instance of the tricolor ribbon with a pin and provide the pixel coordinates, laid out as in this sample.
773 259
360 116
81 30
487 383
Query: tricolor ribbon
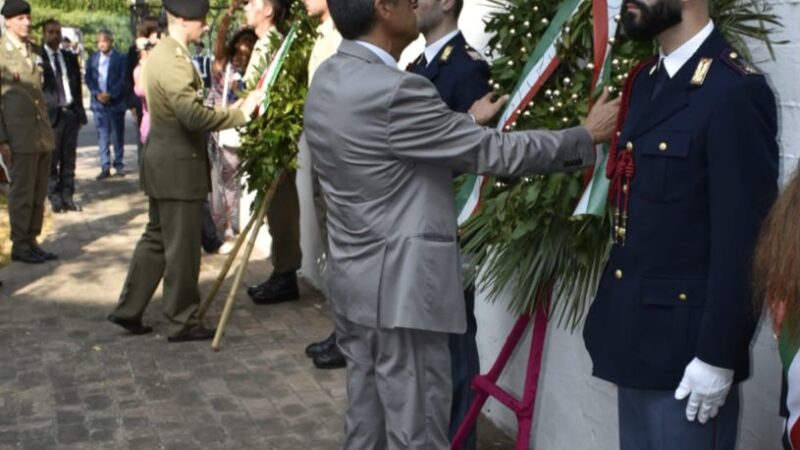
269 76
594 200
540 67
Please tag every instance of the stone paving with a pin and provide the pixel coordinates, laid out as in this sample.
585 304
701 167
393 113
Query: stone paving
70 380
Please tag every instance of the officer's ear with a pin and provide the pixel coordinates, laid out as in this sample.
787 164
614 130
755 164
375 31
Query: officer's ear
448 6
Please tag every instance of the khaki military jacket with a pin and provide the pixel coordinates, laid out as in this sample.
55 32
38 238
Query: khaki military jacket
24 123
174 160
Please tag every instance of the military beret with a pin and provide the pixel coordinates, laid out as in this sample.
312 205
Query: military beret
13 8
188 9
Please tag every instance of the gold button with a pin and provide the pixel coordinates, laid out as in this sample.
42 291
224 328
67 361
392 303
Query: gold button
618 274
683 297
662 146
619 133
629 145
38 117
625 188
734 55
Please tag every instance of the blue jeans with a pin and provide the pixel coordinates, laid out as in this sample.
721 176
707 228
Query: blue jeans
110 125
465 366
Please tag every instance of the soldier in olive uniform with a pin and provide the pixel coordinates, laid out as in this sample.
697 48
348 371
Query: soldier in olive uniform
174 175
26 139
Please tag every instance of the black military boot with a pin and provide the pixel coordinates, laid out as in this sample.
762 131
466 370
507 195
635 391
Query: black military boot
280 287
315 349
331 359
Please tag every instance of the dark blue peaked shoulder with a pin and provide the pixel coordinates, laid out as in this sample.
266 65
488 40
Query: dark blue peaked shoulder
736 61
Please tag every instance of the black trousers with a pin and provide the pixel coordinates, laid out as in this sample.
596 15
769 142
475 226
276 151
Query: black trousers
61 186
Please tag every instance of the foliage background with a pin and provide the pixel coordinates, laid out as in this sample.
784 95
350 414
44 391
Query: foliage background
525 237
269 143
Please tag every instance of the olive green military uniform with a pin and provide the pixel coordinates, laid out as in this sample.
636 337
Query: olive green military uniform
25 126
283 215
174 173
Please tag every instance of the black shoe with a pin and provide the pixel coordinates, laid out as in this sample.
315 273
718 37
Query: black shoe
332 359
69 205
278 288
103 175
252 290
132 326
315 349
47 256
26 256
119 174
57 207
194 333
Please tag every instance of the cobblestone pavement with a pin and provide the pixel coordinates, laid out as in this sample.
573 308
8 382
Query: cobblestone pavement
70 380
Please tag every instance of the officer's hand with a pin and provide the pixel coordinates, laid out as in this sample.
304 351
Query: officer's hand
5 153
487 107
708 385
602 119
253 100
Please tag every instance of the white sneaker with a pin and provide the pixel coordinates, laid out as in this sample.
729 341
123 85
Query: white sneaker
226 248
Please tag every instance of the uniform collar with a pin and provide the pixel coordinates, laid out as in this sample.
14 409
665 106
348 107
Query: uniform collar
19 45
326 27
433 49
379 52
675 60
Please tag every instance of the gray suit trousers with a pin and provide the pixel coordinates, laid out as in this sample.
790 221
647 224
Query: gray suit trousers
654 420
398 387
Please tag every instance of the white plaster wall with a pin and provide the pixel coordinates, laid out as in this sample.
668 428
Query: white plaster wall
575 410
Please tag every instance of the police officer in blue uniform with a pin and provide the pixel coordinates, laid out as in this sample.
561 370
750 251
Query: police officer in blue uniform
693 173
462 77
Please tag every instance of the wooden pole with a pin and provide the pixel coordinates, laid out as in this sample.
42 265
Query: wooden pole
201 313
229 302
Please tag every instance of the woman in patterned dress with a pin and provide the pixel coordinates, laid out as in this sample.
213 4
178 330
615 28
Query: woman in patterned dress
230 62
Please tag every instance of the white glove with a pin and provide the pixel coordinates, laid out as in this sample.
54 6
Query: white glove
709 387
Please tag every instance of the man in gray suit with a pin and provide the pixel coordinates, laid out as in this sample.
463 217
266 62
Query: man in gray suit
385 147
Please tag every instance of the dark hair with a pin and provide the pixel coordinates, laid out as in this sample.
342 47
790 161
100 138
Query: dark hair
145 29
353 18
50 21
243 35
281 8
459 6
107 33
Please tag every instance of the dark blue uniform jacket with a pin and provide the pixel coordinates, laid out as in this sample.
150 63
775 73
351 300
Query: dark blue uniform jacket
706 159
459 74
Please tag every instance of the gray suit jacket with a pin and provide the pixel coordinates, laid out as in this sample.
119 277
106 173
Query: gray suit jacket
385 146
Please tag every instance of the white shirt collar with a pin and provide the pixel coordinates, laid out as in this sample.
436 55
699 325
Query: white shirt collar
379 52
675 60
433 49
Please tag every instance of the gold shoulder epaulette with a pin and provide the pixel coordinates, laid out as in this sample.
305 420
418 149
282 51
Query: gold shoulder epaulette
446 53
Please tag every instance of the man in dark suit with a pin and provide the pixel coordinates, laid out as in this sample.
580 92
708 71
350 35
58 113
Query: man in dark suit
462 77
673 314
63 96
106 80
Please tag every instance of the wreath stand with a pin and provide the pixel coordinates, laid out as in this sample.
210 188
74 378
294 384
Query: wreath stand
256 218
486 385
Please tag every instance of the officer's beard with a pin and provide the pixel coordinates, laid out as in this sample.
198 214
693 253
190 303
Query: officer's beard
651 20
